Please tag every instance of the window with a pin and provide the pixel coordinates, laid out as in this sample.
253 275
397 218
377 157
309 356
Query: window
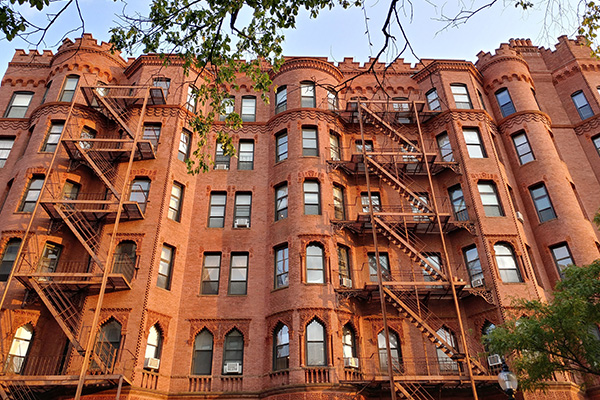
307 94
281 348
473 141
332 100
348 344
233 352
203 351
140 188
309 142
32 193
19 348
216 217
192 99
595 140
315 264
184 146
461 96
433 100
49 258
446 363
87 133
383 262
242 210
375 200
108 343
435 260
281 267
542 202
281 202
535 98
163 83
402 108
165 267
334 147
281 99
69 87
210 273
6 144
281 141
458 203
238 274
53 137
344 266
339 207
523 148
481 99
124 259
562 256
445 149
489 199
368 146
422 200
152 134
228 104
174 212
315 344
312 201
507 263
248 108
153 344
394 351
221 159
48 85
8 258
18 105
505 102
473 265
582 105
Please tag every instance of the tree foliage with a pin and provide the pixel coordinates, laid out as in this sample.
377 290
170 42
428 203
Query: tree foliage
217 40
554 336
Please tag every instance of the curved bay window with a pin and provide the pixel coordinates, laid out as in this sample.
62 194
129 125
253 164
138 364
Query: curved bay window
507 263
315 264
316 355
153 349
203 351
395 351
19 348
349 347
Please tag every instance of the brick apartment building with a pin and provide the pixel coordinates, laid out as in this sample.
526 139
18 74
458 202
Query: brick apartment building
393 219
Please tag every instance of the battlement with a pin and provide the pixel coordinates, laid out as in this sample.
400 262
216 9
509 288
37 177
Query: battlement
87 42
32 57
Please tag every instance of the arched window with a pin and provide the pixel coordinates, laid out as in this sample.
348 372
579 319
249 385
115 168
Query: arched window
153 349
395 351
124 258
281 348
444 361
233 353
17 354
203 351
349 347
315 344
488 327
507 263
315 264
108 343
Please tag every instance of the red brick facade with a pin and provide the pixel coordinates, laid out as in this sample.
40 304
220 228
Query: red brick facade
220 282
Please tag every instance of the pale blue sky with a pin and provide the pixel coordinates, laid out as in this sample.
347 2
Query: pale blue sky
341 33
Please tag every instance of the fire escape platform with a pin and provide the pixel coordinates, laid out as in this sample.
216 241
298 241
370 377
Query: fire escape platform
408 163
112 149
431 379
123 96
75 281
94 210
50 382
402 110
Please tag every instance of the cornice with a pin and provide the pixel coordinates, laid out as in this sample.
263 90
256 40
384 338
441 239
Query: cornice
14 124
451 116
308 63
502 58
79 110
449 65
298 113
507 124
155 60
82 48
18 64
590 124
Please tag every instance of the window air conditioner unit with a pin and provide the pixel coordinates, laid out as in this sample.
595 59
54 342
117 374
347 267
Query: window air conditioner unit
347 282
241 223
151 363
221 166
477 282
494 360
232 368
519 216
351 362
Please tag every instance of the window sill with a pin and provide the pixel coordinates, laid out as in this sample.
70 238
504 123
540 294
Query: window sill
279 288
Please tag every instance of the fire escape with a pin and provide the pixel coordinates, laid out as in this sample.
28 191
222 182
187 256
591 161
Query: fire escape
92 215
420 213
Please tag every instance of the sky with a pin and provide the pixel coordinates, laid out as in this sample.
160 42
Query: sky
341 33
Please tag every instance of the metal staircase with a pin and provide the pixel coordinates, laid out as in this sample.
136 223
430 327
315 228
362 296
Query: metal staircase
412 391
